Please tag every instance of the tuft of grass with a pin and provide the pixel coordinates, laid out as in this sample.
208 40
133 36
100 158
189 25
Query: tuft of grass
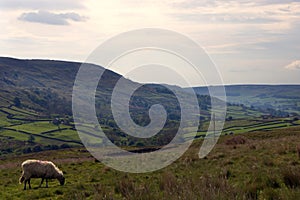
291 177
236 140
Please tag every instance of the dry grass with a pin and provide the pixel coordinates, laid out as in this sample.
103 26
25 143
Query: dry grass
239 139
298 150
262 168
291 177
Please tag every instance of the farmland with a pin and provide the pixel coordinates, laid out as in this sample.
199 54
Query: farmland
22 125
264 165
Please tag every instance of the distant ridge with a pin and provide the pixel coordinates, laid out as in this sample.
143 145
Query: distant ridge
279 97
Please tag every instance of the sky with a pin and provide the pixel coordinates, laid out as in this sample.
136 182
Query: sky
251 42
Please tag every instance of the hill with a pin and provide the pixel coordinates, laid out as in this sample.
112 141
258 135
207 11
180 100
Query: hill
36 114
35 101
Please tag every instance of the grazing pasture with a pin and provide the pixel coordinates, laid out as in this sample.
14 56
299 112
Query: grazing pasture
265 166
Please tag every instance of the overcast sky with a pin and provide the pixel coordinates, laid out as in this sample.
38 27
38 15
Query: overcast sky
251 41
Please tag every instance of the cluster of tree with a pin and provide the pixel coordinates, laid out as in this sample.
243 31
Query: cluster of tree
162 138
274 112
6 151
49 101
39 148
17 102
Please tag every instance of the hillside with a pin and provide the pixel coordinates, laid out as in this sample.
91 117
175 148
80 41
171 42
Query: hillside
36 115
41 84
37 92
35 100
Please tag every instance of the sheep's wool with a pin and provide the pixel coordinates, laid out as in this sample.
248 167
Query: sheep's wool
40 169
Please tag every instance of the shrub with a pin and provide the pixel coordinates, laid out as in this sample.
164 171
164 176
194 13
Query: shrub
64 146
236 140
125 187
37 149
58 192
27 150
168 183
291 177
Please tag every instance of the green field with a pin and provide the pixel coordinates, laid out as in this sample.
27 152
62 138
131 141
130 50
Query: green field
36 127
43 133
65 135
3 120
244 126
238 112
14 135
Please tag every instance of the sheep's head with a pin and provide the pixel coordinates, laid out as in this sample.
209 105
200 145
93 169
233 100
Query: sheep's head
61 180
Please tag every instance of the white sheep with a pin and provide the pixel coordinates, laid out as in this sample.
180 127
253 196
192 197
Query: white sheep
40 169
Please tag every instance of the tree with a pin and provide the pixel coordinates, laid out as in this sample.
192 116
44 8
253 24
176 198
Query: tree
230 118
27 150
37 149
31 139
57 122
64 146
17 102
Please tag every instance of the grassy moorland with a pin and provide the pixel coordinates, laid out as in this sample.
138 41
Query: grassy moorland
257 165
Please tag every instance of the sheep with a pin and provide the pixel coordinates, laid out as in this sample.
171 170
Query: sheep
40 169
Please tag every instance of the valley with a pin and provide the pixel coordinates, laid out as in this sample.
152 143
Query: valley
256 156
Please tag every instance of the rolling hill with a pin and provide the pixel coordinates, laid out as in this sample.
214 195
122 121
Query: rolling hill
36 107
46 86
35 93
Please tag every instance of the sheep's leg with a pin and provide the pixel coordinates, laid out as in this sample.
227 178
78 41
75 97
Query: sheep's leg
41 182
29 183
25 184
46 183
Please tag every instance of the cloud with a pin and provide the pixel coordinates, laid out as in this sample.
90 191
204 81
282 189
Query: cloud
295 65
270 2
45 17
41 4
191 4
226 18
254 12
194 4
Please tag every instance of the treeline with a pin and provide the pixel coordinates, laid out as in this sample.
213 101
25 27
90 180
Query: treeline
39 148
162 138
